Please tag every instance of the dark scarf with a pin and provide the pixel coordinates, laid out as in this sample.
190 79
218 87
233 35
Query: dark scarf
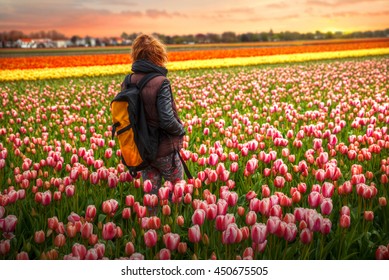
145 66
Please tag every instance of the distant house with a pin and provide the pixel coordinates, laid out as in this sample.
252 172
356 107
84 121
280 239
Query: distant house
25 43
61 43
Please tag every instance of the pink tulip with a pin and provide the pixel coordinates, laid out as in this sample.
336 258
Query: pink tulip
279 182
213 159
86 230
258 233
52 223
326 226
326 206
260 248
222 207
264 206
344 221
164 254
90 213
250 195
194 234
22 256
129 201
232 234
100 250
252 165
290 232
8 224
328 189
171 241
272 224
91 254
150 238
147 186
112 181
5 247
248 252
314 199
137 256
109 231
46 198
70 190
251 218
79 250
345 210
276 210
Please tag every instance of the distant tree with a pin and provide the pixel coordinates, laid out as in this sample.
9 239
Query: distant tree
229 37
74 39
124 36
213 38
14 35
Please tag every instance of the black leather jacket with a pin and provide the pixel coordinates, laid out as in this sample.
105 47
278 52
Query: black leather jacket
159 106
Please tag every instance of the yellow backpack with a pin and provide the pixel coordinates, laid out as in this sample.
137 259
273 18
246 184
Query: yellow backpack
138 142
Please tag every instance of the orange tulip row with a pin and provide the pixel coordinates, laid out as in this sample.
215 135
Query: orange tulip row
114 59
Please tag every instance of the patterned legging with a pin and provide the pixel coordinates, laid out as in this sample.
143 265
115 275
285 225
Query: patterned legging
163 167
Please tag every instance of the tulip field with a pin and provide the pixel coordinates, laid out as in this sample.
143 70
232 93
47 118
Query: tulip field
289 152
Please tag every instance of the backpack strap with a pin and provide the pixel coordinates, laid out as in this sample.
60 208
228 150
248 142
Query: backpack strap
186 169
146 79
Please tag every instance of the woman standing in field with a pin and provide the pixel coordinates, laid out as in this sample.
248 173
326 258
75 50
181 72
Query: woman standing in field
149 55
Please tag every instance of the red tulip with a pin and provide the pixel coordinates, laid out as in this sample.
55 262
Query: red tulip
182 247
382 253
39 237
164 254
368 215
60 240
129 249
382 202
265 191
194 234
306 236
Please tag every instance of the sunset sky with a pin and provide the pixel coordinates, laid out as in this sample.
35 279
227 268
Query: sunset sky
171 17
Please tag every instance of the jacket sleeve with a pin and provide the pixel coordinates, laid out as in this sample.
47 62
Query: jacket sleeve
167 120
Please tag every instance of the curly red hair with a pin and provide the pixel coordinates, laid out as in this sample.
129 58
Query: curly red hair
149 48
